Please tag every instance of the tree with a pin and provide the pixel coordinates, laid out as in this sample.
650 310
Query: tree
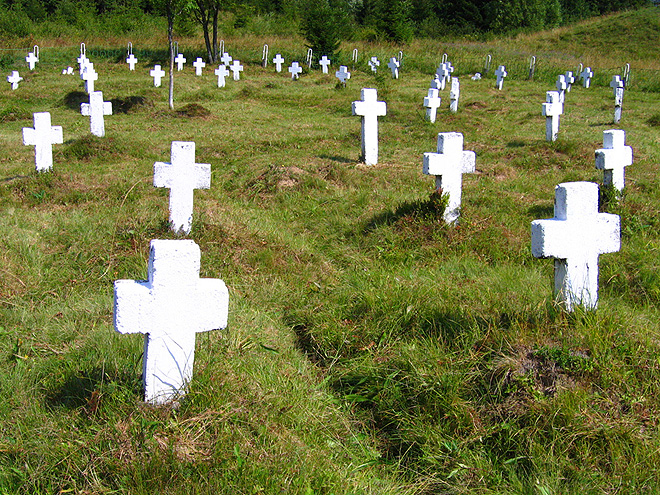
323 24
172 9
206 12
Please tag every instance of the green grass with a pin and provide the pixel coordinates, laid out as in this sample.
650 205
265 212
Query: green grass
370 348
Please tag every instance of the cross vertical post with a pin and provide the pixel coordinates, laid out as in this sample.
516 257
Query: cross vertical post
42 137
370 109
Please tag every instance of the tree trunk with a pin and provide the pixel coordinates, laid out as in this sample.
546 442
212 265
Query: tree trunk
170 36
216 55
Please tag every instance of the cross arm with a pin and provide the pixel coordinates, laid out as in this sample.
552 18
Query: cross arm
29 136
212 304
132 312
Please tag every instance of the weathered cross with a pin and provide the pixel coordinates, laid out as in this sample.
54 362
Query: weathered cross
324 63
454 94
552 109
199 64
89 75
236 69
370 109
295 70
222 72
180 60
618 104
449 70
500 73
448 165
31 59
342 74
14 78
575 237
394 67
226 58
441 74
616 83
613 158
82 61
561 86
278 61
42 137
438 83
570 80
182 176
95 110
432 103
586 76
157 73
374 63
169 308
131 60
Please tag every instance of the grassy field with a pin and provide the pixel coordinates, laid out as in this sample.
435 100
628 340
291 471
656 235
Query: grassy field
370 348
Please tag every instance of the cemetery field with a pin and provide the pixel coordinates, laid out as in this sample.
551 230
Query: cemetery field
370 348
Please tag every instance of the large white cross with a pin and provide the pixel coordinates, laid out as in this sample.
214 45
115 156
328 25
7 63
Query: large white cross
454 94
613 158
170 308
182 176
374 63
324 63
561 86
199 64
342 74
226 58
295 70
432 103
236 68
131 60
575 237
500 73
393 64
31 59
448 165
14 78
552 109
370 109
95 110
586 76
222 72
180 60
42 137
157 73
278 61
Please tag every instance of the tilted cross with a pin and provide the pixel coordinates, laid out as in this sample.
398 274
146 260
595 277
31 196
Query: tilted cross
170 308
278 61
575 237
613 158
180 60
432 103
199 64
448 165
42 137
131 60
95 110
236 68
370 109
552 109
295 70
182 176
157 73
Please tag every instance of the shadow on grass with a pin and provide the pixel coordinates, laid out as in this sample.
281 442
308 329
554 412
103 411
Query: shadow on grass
429 209
126 105
541 211
74 99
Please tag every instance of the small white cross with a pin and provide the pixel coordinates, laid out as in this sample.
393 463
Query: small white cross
440 79
226 58
31 59
42 137
500 73
324 63
370 109
561 86
169 308
14 78
570 80
89 75
551 110
236 68
448 165
222 72
278 61
182 175
618 104
394 67
613 158
586 76
131 60
374 63
295 70
199 64
82 61
454 94
450 70
432 103
438 83
342 74
95 110
157 73
575 237
180 60
616 83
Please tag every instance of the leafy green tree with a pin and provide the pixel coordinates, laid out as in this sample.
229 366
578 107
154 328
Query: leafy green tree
323 24
207 12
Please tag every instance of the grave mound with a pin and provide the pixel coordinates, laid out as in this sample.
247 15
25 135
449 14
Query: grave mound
88 147
74 99
193 110
130 104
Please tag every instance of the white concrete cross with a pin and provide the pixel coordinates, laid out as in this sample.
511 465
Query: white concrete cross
199 64
31 59
618 104
82 62
449 70
89 75
42 137
278 61
14 78
236 68
95 110
575 237
448 165
454 94
131 60
157 73
222 72
586 76
616 83
295 70
370 109
432 103
169 308
374 63
226 58
552 109
394 67
324 63
570 80
182 176
438 83
500 73
342 74
613 158
561 86
441 76
180 60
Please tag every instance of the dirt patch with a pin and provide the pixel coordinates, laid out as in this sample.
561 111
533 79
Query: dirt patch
193 110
